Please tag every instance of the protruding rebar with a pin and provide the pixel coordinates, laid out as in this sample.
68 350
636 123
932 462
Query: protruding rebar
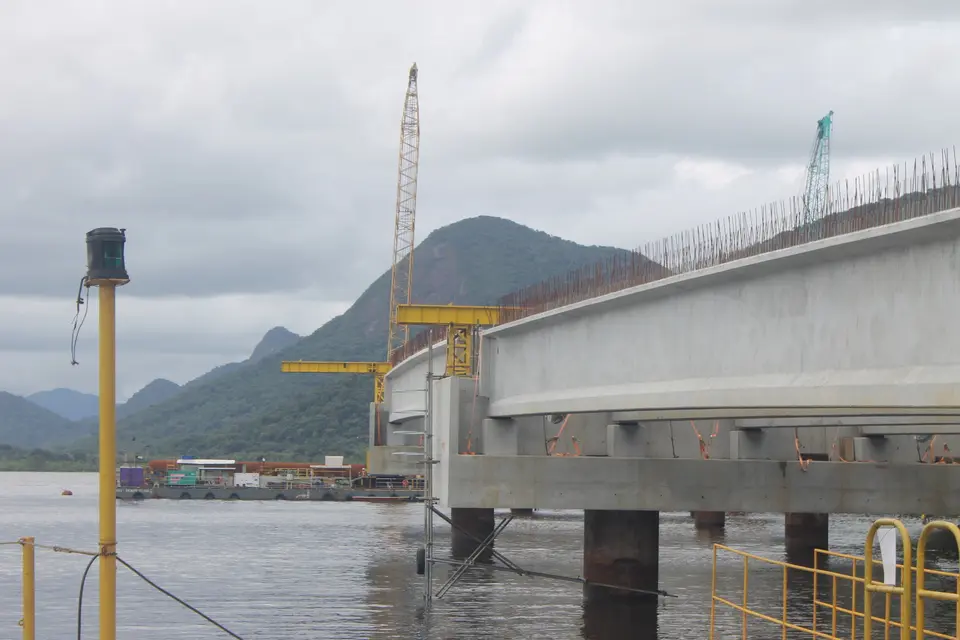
897 194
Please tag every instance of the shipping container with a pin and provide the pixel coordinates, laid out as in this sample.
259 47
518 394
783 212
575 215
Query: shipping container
131 476
246 479
185 477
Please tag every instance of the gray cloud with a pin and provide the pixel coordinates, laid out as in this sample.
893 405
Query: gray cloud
251 151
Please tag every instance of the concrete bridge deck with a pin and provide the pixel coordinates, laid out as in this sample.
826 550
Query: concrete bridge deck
851 338
856 324
815 379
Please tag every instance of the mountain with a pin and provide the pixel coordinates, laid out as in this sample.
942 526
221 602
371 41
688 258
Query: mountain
84 407
26 425
154 393
253 409
273 341
67 403
277 339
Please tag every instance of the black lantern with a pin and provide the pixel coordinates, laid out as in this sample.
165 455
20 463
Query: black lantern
105 255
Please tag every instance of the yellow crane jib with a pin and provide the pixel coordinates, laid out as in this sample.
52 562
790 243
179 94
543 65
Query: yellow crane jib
439 314
461 321
303 366
378 369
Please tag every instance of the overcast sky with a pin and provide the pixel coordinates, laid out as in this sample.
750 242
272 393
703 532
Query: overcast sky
250 148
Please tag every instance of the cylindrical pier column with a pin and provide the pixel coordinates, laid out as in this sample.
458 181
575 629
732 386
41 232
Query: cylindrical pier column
620 548
709 519
805 532
478 522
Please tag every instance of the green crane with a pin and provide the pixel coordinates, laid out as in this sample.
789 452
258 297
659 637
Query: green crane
818 172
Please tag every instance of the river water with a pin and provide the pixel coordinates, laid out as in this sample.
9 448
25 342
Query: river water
324 570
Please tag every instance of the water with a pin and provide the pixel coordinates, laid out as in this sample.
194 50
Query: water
323 570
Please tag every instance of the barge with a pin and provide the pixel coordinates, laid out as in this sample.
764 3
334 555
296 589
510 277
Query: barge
215 479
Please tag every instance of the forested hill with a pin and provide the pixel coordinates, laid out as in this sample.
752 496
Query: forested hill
26 425
257 410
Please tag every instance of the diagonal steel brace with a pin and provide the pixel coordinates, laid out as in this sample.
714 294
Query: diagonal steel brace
496 554
472 558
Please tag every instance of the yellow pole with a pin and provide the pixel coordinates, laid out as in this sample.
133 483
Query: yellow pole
108 459
29 590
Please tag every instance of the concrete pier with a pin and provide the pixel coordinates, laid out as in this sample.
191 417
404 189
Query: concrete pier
708 519
805 532
603 620
478 522
620 548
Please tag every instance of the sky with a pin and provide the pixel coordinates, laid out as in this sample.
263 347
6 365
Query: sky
250 148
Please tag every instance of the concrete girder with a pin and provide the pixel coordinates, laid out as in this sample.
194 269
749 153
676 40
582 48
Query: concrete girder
886 431
540 482
775 415
406 384
859 324
880 422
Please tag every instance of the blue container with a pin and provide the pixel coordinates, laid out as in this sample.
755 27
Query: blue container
131 476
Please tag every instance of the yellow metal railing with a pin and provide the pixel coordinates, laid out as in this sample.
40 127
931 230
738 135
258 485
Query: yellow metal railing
905 590
28 620
854 580
28 545
922 571
29 588
909 598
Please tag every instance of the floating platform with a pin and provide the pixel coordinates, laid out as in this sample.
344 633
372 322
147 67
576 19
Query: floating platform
334 494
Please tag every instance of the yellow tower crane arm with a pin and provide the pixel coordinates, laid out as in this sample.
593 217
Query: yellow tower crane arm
439 314
306 366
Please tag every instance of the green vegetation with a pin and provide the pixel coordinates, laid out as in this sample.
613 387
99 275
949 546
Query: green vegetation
26 425
253 409
14 459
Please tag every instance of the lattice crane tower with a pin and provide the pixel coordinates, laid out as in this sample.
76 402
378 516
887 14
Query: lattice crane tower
401 275
818 172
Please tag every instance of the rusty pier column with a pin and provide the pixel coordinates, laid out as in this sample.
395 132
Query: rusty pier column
709 519
480 523
805 532
620 548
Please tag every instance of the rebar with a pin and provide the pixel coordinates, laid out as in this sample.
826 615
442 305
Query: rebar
417 343
879 198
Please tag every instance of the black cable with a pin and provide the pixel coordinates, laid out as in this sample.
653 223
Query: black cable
83 581
152 584
75 334
173 597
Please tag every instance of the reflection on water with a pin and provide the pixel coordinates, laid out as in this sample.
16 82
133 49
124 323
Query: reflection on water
278 570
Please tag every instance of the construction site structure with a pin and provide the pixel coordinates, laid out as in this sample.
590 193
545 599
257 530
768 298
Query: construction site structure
818 172
401 273
462 322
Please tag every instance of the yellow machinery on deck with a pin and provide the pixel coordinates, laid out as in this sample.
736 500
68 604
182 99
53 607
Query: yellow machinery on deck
461 321
839 600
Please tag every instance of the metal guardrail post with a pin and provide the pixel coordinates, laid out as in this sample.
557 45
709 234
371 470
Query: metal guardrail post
29 621
922 592
869 587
